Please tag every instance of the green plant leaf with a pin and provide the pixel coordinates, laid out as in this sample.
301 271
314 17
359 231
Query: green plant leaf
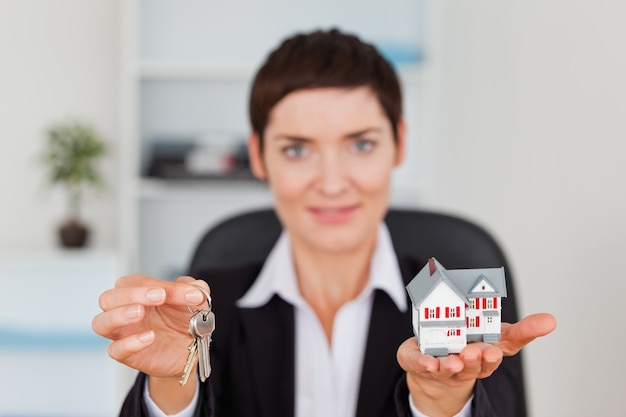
70 156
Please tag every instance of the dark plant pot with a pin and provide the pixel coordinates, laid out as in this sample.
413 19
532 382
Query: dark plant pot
73 234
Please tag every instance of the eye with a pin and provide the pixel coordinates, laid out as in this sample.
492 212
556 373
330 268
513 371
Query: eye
295 151
363 145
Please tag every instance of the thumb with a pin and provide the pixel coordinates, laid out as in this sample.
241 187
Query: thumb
516 336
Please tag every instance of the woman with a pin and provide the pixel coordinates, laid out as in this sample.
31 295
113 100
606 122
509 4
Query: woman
315 330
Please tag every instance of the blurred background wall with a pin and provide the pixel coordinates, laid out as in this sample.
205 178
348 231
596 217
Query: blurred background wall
533 145
528 138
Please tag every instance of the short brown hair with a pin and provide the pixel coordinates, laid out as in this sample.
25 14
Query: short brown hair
323 59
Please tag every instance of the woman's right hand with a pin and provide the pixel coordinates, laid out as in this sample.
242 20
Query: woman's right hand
147 320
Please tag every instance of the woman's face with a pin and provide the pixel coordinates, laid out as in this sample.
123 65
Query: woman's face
328 155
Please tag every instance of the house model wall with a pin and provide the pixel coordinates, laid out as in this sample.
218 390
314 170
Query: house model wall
453 307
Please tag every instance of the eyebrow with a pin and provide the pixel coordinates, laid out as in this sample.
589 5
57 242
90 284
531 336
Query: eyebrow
352 135
363 132
299 139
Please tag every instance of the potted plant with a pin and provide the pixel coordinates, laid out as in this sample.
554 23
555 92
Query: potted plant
70 155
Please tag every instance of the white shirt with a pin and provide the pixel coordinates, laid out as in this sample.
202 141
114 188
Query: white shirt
327 377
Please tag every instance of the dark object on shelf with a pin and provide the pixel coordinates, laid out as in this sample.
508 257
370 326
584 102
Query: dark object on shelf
184 160
167 159
73 234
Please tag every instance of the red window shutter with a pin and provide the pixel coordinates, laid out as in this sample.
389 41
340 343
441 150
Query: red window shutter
447 312
458 332
477 321
495 302
466 321
437 312
458 311
425 313
484 303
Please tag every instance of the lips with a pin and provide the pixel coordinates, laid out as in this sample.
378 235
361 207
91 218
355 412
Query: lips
335 214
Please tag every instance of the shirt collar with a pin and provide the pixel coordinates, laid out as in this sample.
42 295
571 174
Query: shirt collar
278 275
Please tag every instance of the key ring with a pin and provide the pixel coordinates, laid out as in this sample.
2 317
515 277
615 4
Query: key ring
208 300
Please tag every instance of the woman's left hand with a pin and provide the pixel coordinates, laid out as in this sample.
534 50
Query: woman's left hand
443 385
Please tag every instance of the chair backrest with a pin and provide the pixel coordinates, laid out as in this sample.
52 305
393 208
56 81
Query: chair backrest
455 242
242 239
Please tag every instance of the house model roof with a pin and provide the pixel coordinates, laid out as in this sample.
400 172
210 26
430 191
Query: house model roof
467 283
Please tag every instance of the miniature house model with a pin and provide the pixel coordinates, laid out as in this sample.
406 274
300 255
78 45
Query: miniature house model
453 307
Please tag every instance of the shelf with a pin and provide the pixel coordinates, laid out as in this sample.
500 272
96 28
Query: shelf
158 189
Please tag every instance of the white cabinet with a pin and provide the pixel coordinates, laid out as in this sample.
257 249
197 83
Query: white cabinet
188 65
51 362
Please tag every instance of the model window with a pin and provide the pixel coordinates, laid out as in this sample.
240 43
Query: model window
454 332
472 323
490 303
489 319
472 303
431 313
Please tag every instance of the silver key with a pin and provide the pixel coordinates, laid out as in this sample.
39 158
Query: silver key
191 360
202 324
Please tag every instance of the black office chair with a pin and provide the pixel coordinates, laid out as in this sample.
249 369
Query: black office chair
456 243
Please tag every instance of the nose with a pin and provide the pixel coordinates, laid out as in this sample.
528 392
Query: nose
332 178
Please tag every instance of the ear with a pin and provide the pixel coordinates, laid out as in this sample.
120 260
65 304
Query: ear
256 157
401 143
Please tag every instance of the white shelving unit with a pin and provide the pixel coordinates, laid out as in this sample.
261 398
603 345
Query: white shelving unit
187 70
51 361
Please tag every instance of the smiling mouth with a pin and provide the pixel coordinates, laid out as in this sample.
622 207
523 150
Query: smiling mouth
333 214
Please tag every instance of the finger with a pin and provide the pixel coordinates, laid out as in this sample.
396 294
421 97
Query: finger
190 280
175 293
108 324
122 349
204 295
466 366
117 297
491 359
138 280
472 357
151 292
449 366
481 360
515 336
412 360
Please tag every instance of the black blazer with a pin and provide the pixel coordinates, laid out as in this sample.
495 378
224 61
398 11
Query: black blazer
252 356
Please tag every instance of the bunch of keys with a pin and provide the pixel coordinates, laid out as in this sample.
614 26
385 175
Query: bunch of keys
201 326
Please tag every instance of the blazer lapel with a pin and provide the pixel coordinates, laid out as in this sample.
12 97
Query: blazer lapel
389 328
270 331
